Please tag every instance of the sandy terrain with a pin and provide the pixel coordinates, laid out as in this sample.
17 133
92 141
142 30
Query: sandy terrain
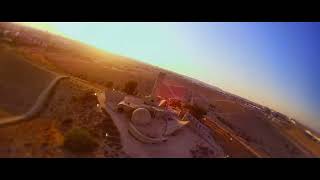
4 114
102 70
43 136
37 138
20 83
228 107
258 131
298 135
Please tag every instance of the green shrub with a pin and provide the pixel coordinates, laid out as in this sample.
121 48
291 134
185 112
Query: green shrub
79 140
196 111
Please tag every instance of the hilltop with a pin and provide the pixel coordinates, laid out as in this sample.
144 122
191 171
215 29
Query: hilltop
30 59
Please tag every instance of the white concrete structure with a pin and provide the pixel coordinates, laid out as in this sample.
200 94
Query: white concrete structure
141 116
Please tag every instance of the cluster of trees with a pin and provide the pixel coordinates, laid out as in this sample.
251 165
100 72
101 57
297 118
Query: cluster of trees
131 88
196 110
80 140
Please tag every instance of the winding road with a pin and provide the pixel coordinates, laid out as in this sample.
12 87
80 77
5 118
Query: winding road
37 107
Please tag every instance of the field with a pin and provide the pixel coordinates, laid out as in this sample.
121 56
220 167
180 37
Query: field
298 135
4 113
100 70
254 127
20 83
70 106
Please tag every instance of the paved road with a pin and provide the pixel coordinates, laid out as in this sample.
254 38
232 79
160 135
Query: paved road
223 130
37 107
306 152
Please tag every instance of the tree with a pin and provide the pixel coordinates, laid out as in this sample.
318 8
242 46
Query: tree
130 87
196 111
79 140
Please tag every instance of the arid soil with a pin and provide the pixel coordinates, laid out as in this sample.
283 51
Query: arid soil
4 113
254 127
20 83
72 105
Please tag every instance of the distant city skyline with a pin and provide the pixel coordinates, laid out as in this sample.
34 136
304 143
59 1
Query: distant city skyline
273 64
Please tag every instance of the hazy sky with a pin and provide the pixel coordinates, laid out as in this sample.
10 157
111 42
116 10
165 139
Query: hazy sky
274 64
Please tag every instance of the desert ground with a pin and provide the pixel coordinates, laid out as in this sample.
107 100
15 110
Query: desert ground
27 69
257 130
21 82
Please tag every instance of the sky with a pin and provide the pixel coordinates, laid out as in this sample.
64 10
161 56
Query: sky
273 64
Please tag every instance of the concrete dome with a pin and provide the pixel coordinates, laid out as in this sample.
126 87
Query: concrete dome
141 116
